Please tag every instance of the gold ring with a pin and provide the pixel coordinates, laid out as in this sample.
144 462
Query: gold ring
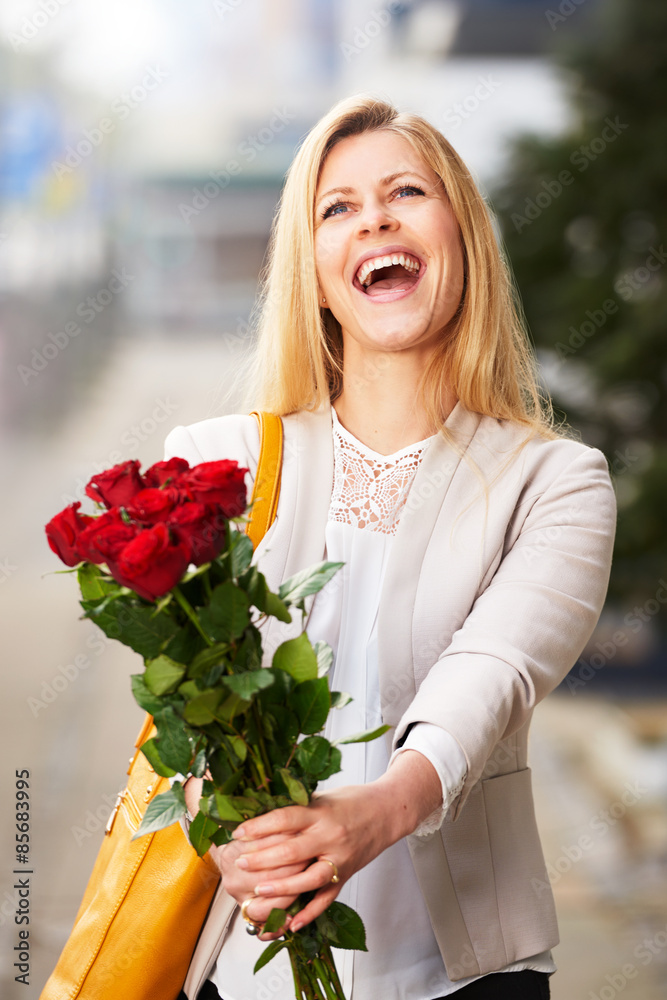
335 877
254 926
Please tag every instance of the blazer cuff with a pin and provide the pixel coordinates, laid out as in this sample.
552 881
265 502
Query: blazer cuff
444 753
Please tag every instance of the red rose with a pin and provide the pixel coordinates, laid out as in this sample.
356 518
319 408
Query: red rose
165 472
151 564
115 487
218 482
202 528
105 538
63 532
152 505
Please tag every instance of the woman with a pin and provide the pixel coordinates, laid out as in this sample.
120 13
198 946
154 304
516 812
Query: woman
476 540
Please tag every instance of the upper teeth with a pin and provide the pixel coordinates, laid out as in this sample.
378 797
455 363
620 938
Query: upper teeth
368 266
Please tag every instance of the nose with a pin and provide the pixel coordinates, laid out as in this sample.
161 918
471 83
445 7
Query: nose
375 217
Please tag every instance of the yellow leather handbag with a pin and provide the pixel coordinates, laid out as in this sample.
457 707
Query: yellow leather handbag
147 899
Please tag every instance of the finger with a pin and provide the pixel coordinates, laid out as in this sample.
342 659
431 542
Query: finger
259 909
293 851
316 876
315 907
241 885
289 819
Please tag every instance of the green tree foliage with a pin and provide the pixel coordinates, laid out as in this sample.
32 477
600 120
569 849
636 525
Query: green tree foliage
584 219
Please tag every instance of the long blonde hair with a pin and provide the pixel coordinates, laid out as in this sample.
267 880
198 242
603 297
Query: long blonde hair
485 358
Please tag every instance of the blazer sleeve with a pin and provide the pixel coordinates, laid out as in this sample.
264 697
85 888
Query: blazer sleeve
530 624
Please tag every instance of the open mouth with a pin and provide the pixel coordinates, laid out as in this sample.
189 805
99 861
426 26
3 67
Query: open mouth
396 272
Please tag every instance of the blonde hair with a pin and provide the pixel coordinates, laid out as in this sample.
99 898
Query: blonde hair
485 357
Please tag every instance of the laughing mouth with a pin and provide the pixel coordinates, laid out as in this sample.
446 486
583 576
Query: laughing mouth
388 273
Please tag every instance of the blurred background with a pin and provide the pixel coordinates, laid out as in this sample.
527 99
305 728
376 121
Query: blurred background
143 146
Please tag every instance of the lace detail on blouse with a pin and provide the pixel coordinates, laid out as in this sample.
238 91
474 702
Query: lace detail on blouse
370 490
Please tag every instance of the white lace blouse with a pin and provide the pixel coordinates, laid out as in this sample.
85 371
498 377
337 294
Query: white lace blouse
403 961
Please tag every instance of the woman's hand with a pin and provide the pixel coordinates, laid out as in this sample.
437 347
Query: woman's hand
349 826
238 884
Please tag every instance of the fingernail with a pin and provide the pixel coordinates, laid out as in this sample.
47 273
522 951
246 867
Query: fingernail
242 863
295 926
265 889
238 833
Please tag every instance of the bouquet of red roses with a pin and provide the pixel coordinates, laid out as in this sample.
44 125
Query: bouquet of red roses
164 569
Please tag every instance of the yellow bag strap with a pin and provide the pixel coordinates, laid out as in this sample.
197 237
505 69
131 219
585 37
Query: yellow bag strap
266 490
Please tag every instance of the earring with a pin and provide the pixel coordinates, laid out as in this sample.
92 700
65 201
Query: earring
323 299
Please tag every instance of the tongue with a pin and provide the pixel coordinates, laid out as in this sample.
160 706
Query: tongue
391 279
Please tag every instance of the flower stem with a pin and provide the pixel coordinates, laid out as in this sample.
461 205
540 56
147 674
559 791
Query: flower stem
189 610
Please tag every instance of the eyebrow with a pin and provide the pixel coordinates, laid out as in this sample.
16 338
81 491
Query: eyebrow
389 179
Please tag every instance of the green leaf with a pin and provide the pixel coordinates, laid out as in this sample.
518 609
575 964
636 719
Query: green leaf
241 552
185 645
136 626
334 765
275 920
144 698
239 747
248 684
269 952
324 654
167 808
297 658
198 766
339 699
226 809
308 581
163 674
313 755
201 710
295 788
311 702
227 615
342 927
93 583
276 608
172 740
222 837
201 831
365 737
207 658
150 751
230 707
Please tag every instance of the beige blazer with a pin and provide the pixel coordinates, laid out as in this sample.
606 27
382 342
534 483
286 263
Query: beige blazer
496 579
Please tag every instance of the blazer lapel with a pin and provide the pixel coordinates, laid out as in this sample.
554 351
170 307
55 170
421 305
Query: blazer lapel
397 603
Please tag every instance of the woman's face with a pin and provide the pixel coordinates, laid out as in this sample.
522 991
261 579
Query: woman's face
387 248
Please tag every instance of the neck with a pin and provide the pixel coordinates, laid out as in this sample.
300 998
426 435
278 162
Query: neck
380 403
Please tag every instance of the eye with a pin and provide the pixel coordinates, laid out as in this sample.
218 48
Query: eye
330 210
411 188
